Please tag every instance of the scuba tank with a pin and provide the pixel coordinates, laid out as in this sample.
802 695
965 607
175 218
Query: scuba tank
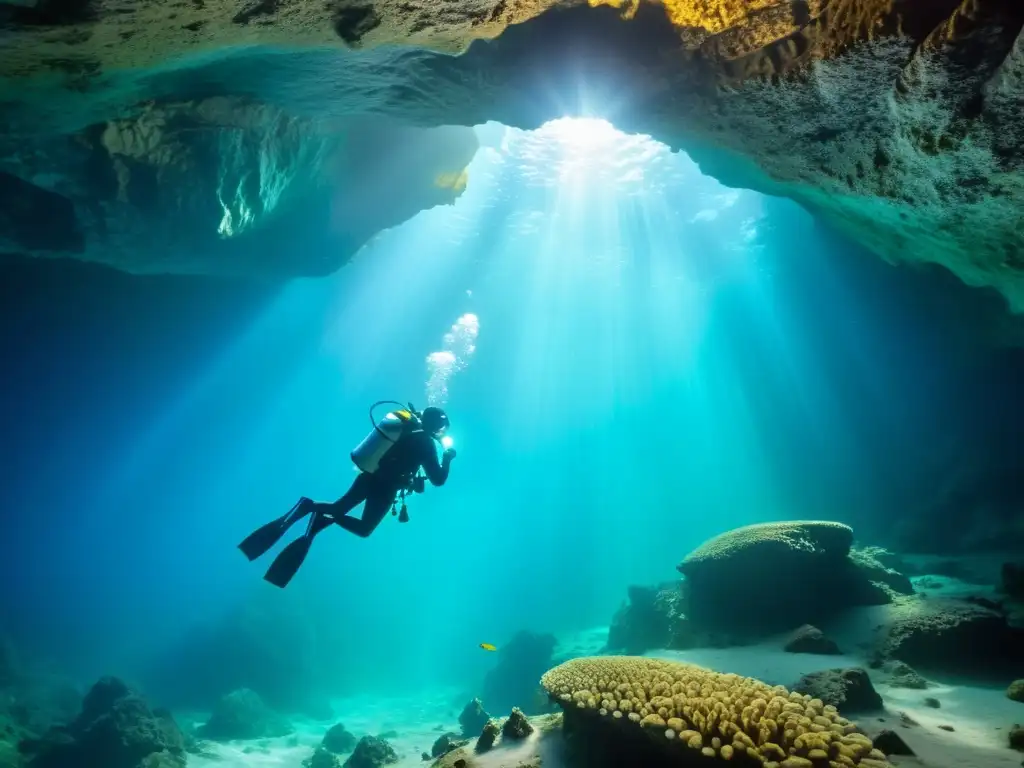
384 434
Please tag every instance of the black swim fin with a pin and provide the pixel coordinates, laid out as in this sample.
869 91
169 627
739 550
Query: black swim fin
287 563
263 538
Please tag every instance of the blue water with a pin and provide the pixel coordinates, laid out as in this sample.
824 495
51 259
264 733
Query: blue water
659 358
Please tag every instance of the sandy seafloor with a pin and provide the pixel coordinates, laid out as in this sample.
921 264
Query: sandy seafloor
980 716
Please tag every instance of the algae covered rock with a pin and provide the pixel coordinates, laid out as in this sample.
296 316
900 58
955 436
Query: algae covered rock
371 752
785 540
338 740
488 735
322 758
1015 691
848 689
513 680
902 675
473 718
516 726
766 578
810 639
446 743
1016 738
242 714
891 743
877 565
952 636
115 729
652 617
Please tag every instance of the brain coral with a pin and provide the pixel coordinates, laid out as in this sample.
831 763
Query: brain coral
727 717
808 536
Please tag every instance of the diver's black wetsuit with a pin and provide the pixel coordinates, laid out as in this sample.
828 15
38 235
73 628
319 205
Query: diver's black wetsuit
379 490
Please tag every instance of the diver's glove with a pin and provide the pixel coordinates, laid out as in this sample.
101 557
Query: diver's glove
449 454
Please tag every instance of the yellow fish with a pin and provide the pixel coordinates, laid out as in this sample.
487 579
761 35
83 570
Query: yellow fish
488 647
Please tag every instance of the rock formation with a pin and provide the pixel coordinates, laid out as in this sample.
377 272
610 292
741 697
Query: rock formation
115 729
810 639
1016 738
338 740
516 726
221 185
473 717
488 735
951 637
1015 691
243 715
760 579
751 582
322 758
513 680
371 752
850 689
445 743
897 122
652 617
902 675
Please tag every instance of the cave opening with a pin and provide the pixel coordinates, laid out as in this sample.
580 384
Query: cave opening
673 268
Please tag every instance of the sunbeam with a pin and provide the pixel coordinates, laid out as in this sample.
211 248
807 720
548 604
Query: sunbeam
627 356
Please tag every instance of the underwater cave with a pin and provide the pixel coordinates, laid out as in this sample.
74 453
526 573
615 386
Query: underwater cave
720 304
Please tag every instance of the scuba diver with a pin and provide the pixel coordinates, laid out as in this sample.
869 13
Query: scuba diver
389 459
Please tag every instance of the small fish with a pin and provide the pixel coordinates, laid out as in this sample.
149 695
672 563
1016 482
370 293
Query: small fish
488 647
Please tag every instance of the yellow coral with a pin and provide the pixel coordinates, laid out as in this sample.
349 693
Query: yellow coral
715 714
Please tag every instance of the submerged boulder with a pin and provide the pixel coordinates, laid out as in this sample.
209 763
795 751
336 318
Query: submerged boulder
446 743
810 639
473 718
891 743
513 680
902 675
371 752
651 618
1015 691
115 729
765 578
951 636
488 735
1016 738
322 758
848 689
516 726
338 740
877 565
242 714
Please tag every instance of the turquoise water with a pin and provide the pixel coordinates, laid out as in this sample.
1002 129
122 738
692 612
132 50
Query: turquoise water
634 358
